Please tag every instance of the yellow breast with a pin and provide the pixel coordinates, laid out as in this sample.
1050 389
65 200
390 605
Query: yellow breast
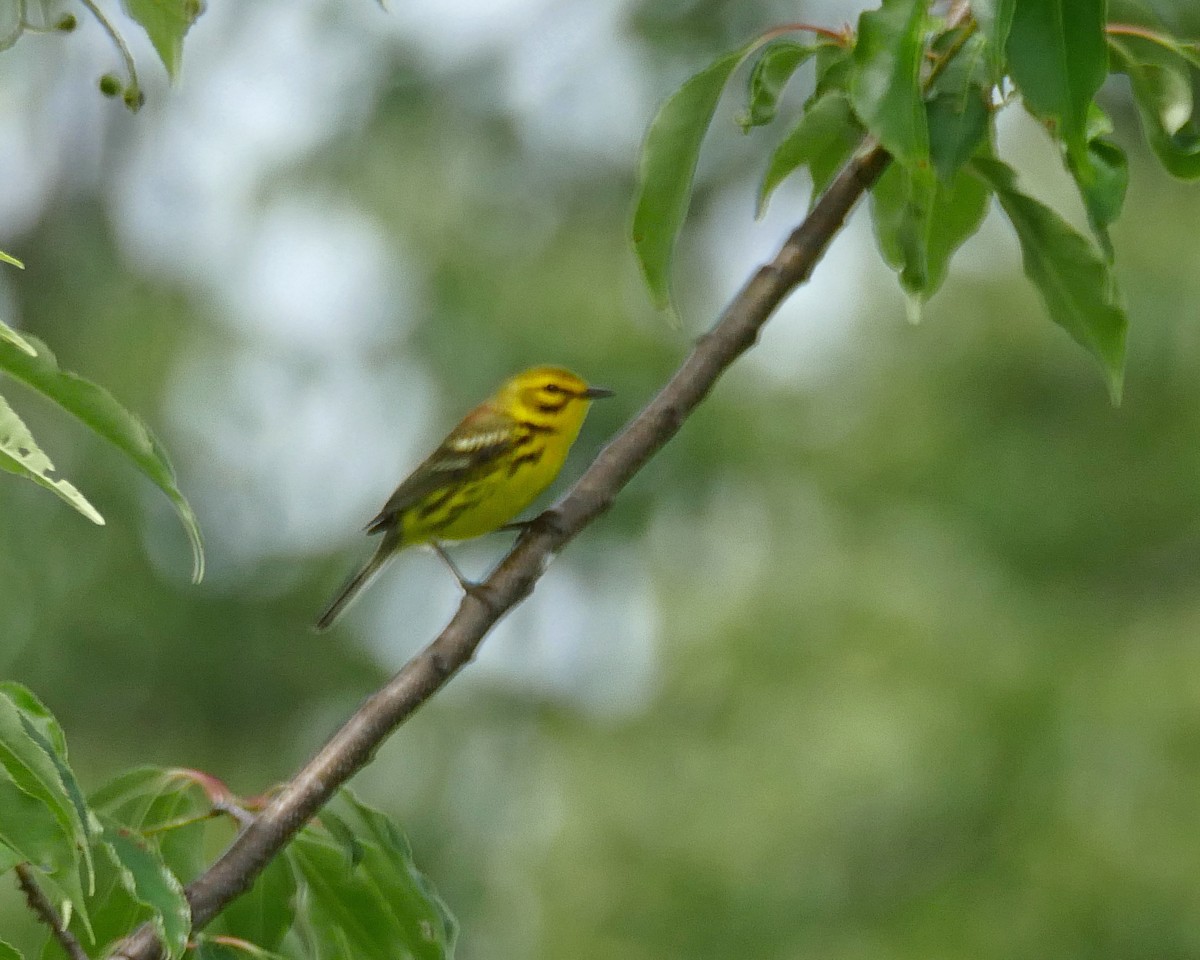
496 496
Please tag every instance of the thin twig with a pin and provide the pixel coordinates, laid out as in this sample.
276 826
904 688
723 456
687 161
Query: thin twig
40 904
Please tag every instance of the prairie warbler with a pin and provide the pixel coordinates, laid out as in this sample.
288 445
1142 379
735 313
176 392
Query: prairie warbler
491 467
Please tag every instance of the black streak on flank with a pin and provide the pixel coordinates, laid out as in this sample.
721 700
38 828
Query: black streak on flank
435 504
529 458
456 512
536 427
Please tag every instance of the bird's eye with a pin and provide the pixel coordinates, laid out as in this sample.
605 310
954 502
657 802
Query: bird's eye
552 388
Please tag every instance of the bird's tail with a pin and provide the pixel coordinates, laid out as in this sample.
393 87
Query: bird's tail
364 575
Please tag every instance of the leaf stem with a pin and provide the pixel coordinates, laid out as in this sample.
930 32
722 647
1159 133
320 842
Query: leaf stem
181 822
115 36
1134 30
841 37
967 29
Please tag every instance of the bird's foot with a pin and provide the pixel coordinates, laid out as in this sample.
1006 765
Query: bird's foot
472 588
547 520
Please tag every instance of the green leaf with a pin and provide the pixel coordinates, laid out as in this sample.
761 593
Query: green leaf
823 140
404 876
9 952
886 85
20 454
377 909
920 225
1160 79
958 212
345 910
835 70
264 914
1189 50
11 335
771 72
168 803
119 904
35 831
1102 179
955 132
43 729
1102 175
958 110
148 881
32 829
37 712
100 411
995 20
1077 284
165 22
112 911
668 166
1057 57
9 858
33 768
1162 89
341 832
903 230
7 332
150 798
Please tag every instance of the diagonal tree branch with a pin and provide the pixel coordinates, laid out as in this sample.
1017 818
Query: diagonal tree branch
40 904
353 745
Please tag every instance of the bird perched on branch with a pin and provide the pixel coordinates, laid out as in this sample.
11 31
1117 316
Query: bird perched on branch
491 467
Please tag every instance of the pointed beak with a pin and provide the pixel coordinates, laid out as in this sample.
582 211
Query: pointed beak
597 393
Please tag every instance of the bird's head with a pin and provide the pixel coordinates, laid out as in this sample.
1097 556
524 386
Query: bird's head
549 395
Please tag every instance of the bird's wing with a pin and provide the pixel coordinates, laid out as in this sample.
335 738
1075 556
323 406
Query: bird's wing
483 435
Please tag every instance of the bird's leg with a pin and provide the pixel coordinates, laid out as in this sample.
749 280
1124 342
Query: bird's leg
470 587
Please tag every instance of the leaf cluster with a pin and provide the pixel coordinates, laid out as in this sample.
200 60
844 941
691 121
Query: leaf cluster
346 886
28 361
166 22
928 90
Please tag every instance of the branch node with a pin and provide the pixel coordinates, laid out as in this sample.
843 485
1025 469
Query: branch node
550 522
441 663
670 419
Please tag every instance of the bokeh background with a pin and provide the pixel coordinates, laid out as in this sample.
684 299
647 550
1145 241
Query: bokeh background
893 653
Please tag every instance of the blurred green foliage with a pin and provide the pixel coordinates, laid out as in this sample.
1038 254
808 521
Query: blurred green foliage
915 672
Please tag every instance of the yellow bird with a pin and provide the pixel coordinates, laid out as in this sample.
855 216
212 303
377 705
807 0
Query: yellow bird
491 467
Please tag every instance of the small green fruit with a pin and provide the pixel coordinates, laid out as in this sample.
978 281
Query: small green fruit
134 99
